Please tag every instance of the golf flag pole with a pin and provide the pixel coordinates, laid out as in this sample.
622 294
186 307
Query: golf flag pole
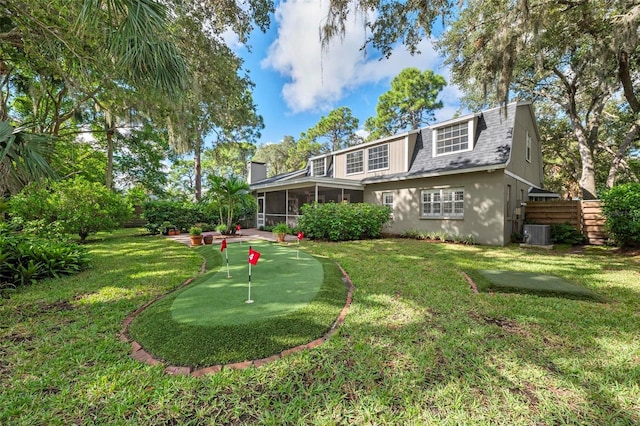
300 237
249 297
253 260
223 246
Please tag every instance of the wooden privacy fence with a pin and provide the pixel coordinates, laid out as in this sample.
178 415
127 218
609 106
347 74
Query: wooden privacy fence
585 216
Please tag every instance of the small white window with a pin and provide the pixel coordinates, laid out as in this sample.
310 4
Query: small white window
387 199
319 167
527 148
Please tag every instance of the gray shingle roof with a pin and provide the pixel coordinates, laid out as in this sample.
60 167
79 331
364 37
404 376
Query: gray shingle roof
494 135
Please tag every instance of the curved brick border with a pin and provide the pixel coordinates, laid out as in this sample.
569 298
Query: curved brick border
138 352
472 284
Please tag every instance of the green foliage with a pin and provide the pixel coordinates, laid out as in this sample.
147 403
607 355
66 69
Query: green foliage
343 221
565 233
195 231
230 196
23 158
409 104
621 208
25 259
281 228
338 130
81 207
180 214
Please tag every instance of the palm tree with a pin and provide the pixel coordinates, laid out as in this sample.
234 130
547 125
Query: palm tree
236 190
22 158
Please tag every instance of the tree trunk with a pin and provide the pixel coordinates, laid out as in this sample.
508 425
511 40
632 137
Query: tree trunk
620 155
109 171
198 169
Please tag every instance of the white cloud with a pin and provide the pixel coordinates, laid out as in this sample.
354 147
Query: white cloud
317 79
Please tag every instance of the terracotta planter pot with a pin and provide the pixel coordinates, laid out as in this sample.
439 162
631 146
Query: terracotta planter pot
196 240
280 237
208 239
174 232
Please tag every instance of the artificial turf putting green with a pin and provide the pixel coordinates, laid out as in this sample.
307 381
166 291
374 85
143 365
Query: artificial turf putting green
535 283
281 282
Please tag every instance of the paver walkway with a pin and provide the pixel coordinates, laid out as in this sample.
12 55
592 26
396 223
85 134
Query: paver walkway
248 234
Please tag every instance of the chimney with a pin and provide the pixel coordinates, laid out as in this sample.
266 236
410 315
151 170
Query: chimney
257 172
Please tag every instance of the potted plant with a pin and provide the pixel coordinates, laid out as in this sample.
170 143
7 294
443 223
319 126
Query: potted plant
167 227
207 238
221 228
280 230
195 234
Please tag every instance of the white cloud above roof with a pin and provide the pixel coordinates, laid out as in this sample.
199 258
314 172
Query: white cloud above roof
318 80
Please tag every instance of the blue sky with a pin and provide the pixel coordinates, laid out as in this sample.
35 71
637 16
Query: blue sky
296 83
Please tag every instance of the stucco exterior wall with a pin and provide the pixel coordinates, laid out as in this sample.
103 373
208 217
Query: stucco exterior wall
531 171
484 206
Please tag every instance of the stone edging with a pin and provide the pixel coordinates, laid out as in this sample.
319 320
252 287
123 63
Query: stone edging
138 352
472 284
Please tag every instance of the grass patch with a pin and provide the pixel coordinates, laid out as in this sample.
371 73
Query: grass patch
295 302
534 283
417 346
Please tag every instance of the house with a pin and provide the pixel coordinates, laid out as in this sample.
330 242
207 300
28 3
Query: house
468 176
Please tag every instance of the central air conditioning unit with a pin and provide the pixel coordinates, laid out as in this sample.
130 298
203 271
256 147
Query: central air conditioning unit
539 235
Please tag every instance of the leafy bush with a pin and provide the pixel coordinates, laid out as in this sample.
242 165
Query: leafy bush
79 206
25 259
344 221
181 215
565 233
621 209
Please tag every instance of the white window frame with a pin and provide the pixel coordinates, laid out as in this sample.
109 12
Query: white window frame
387 199
324 166
377 156
441 130
442 203
527 148
352 163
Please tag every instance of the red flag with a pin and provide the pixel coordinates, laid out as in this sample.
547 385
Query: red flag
253 256
223 245
300 235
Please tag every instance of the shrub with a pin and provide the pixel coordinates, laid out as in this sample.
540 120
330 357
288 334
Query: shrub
621 209
343 221
25 259
565 233
181 215
80 206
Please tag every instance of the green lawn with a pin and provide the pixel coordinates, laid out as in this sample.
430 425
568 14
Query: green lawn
417 346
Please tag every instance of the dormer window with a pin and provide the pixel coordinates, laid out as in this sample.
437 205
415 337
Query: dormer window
378 157
355 162
319 167
457 137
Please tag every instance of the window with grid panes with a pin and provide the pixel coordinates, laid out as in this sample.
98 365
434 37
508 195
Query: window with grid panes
453 138
355 162
318 167
378 157
442 203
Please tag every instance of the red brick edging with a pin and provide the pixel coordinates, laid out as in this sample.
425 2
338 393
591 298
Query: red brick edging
138 352
472 284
